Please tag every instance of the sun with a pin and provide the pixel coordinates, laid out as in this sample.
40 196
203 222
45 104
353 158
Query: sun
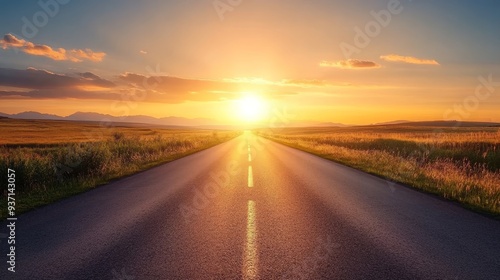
252 108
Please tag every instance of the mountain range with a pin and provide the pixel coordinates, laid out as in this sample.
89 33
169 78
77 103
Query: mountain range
210 123
96 117
142 119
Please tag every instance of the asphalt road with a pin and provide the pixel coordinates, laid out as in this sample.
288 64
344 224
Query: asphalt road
253 209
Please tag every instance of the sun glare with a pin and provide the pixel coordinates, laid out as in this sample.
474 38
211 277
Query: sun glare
252 108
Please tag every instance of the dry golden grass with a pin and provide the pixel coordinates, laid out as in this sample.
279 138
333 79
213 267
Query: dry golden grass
460 164
47 132
54 159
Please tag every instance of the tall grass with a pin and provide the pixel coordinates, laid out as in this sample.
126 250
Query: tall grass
457 164
46 173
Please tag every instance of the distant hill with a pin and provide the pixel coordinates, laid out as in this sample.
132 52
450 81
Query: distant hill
392 122
96 117
213 124
315 124
36 116
166 121
444 124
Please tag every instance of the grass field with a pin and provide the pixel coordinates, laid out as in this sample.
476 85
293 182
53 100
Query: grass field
56 159
459 164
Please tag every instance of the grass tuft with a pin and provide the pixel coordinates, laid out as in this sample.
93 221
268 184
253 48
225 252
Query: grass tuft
48 170
459 164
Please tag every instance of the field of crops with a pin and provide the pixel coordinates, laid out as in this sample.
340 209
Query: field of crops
460 164
54 159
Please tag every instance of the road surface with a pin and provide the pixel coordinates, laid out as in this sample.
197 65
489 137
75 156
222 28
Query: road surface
253 209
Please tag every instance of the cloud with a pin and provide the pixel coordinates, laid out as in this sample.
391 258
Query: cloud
408 59
42 84
86 54
74 55
305 83
143 52
95 80
183 88
32 78
350 64
11 40
59 94
302 83
171 84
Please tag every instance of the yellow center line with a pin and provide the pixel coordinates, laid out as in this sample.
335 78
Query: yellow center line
250 177
250 258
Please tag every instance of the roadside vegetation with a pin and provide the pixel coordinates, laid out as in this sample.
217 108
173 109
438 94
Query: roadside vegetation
459 164
54 159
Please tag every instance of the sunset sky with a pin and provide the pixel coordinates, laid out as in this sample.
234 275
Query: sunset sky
205 58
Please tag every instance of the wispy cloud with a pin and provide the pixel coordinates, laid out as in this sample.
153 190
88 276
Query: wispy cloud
305 83
143 52
32 78
74 55
42 84
171 84
35 83
350 64
408 59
